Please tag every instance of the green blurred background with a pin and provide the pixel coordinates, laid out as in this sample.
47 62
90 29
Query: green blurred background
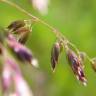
76 19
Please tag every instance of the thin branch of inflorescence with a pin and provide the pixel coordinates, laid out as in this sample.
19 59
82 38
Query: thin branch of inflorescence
58 34
34 18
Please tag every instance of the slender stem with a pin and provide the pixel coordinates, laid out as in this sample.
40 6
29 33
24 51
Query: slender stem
34 18
19 8
58 34
76 49
88 58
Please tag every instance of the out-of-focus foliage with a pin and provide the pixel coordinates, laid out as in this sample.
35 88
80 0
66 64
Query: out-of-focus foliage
76 19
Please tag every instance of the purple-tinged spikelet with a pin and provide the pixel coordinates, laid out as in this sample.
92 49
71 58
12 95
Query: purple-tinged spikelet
23 34
12 76
16 25
21 51
20 29
55 54
76 66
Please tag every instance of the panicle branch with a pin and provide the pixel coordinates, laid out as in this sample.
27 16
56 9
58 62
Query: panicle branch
74 56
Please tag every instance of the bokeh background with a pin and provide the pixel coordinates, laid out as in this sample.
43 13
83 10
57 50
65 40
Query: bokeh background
76 19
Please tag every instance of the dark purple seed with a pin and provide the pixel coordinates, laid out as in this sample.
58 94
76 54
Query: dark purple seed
23 55
16 25
55 54
76 66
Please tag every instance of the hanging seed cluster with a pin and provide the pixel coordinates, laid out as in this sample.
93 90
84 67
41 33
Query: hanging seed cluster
74 58
12 51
